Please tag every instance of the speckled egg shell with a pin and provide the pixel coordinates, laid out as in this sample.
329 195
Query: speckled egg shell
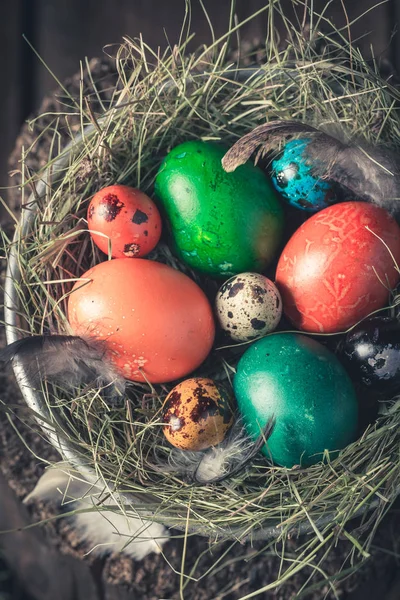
371 354
124 218
291 176
248 306
197 414
302 385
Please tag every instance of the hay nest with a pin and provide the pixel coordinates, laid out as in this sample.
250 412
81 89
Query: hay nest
158 102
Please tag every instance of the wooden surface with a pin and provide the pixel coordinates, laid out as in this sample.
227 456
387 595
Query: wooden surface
64 32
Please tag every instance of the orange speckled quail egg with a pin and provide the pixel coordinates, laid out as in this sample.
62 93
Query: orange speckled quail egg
248 306
197 414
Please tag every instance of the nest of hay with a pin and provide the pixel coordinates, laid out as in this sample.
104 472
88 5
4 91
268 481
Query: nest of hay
159 102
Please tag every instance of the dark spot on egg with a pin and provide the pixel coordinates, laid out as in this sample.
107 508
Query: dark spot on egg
205 407
235 289
174 399
91 211
226 287
131 250
304 203
380 363
257 324
258 293
110 207
230 314
145 232
139 217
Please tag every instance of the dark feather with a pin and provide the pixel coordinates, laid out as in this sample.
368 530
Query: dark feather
371 173
67 360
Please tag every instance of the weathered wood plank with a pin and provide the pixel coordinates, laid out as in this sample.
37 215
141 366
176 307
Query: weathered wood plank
10 96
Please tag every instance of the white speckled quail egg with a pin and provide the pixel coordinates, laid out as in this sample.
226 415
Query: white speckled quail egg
248 306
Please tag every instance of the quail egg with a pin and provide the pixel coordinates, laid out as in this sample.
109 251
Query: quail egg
248 306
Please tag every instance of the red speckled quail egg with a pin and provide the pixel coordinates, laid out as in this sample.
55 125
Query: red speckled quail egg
248 306
125 218
197 414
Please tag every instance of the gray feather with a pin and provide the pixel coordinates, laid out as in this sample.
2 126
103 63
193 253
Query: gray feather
221 462
371 173
70 361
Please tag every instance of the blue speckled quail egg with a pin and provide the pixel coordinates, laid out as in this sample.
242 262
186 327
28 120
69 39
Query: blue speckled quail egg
291 176
248 306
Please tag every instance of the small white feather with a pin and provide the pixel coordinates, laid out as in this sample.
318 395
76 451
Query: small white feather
103 529
210 465
221 460
225 458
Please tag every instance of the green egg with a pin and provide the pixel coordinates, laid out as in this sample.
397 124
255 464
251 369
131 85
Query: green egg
221 223
303 386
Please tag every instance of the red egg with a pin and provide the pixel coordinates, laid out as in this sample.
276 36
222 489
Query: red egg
126 218
337 268
156 323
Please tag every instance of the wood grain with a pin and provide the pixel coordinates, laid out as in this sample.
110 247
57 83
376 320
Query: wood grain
10 67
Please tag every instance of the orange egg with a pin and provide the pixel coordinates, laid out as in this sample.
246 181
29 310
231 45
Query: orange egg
126 218
197 414
156 323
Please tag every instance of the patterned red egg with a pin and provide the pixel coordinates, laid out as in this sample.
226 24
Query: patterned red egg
337 267
156 323
125 218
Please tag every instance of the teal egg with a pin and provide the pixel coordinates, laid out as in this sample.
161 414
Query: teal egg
291 176
302 385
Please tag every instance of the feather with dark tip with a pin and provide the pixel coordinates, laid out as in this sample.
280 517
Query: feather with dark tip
232 467
371 173
217 463
67 360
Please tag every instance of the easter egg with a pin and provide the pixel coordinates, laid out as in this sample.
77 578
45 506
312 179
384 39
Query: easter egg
248 306
302 386
125 218
371 354
291 176
155 322
337 267
197 414
221 223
